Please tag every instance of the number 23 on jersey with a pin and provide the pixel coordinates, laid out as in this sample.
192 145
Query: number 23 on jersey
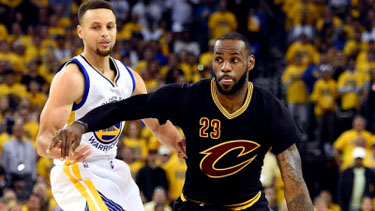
209 128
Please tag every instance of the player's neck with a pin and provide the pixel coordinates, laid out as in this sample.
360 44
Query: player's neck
234 101
99 62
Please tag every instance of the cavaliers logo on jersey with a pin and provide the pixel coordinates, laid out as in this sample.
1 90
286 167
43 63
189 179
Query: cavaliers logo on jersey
108 135
214 154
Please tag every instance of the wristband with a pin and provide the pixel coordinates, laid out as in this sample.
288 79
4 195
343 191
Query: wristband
85 125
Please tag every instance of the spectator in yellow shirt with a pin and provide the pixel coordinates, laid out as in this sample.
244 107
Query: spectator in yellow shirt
324 96
10 86
296 92
222 21
129 28
355 45
349 140
133 139
350 84
304 48
175 169
35 96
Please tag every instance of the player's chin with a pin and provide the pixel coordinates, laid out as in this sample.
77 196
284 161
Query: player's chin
226 86
103 52
226 90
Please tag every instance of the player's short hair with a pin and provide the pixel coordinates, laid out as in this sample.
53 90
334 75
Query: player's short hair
236 36
91 5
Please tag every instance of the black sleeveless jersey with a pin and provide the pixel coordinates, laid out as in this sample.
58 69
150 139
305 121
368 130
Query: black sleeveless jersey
225 150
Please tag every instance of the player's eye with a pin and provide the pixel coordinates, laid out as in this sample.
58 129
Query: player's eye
235 60
218 59
95 27
110 27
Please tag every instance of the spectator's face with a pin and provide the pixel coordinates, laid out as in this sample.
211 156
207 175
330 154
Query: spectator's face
326 196
159 196
367 204
231 65
33 203
98 31
359 124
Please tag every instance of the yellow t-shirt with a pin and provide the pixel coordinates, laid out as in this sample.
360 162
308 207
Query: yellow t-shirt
128 29
141 65
11 3
307 50
346 143
18 62
4 137
206 59
253 24
3 32
324 95
221 23
139 145
296 12
44 166
353 45
336 22
16 89
37 99
350 100
56 30
175 169
296 90
32 128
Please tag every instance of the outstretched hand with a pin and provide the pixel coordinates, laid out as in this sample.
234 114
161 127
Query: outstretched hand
67 140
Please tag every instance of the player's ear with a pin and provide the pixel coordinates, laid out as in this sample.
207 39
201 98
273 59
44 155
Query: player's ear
250 62
79 31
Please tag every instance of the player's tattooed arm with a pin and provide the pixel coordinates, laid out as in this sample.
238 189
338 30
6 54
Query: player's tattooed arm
296 193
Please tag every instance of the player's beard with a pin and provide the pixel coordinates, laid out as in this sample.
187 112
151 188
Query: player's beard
104 52
237 86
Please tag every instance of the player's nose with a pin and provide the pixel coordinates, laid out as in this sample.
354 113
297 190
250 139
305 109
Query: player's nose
226 66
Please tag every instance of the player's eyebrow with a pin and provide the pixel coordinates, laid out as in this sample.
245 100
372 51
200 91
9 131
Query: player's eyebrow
111 22
235 53
232 53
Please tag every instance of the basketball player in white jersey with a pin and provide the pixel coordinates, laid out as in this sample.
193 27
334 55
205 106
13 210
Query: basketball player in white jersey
91 178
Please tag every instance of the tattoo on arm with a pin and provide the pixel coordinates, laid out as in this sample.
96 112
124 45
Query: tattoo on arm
296 193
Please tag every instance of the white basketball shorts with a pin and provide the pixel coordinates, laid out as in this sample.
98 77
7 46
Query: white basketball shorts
103 185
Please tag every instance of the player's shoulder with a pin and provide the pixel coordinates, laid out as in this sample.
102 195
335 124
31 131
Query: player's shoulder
69 65
69 72
263 94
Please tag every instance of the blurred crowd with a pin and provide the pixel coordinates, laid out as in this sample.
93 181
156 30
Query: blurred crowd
321 53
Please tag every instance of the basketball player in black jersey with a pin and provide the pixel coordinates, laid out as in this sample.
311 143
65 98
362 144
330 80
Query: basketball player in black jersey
229 125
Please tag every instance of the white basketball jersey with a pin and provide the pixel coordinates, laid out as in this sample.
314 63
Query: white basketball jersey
99 90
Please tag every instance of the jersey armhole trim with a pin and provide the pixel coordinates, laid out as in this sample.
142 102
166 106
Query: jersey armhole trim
87 85
131 75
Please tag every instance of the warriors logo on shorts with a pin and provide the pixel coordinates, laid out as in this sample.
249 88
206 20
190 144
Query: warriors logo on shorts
108 135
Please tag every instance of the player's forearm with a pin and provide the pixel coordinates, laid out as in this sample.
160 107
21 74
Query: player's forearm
167 134
296 193
297 197
133 108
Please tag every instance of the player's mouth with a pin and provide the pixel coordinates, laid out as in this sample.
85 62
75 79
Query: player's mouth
105 43
226 80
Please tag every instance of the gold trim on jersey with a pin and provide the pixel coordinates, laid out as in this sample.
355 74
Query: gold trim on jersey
238 206
221 107
113 82
72 117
